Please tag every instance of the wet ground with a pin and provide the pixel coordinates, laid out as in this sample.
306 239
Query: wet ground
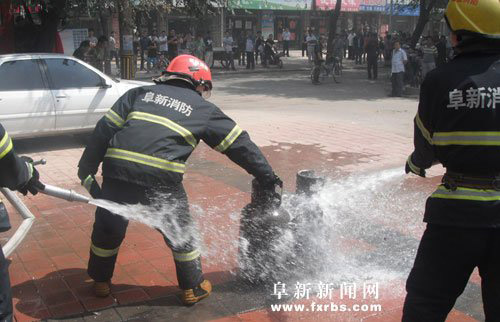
367 234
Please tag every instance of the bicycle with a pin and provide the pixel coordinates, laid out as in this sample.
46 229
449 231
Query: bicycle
322 71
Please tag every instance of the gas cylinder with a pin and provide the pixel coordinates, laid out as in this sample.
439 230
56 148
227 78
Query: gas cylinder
307 222
263 223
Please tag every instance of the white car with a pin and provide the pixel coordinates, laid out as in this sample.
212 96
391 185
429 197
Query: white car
42 94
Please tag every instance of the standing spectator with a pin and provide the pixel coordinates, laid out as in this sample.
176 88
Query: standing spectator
249 49
241 48
268 50
429 52
259 47
364 36
82 51
92 38
344 42
381 48
441 51
188 43
371 50
163 43
317 55
311 43
152 55
338 48
304 44
99 54
136 45
172 44
181 43
154 37
399 60
144 42
113 50
388 45
228 48
199 47
209 50
350 44
358 47
286 42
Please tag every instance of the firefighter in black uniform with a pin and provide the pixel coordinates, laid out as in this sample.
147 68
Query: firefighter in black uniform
143 142
16 173
457 125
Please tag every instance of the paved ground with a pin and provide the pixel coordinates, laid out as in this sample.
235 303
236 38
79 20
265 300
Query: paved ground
350 132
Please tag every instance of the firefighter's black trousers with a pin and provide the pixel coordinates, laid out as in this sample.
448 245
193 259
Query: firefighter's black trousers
445 260
5 291
109 231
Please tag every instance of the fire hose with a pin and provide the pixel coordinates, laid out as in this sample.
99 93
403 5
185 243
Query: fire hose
61 193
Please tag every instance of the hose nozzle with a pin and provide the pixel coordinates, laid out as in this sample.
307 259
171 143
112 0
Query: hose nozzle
66 194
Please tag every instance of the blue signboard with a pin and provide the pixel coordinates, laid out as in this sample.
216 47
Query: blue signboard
402 10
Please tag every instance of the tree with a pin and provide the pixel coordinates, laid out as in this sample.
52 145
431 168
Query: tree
40 36
426 7
333 18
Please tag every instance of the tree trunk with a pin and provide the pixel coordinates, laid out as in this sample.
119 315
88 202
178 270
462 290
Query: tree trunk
126 20
426 7
333 17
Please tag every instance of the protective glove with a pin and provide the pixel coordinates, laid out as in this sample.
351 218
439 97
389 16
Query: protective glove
273 188
89 183
33 185
410 167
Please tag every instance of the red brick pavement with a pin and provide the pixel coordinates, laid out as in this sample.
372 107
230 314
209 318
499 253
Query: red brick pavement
48 270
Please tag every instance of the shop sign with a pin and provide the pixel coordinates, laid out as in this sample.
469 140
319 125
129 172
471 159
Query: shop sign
270 4
347 5
267 24
372 5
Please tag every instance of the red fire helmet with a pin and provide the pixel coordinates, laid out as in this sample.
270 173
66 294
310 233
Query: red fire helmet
192 67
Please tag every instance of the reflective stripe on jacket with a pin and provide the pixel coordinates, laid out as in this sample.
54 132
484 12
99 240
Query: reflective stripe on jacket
149 133
13 171
457 125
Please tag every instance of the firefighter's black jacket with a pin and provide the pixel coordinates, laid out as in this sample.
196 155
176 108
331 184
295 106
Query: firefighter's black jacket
14 173
150 132
458 125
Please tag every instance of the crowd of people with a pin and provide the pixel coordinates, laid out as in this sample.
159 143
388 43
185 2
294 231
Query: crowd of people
154 51
99 51
408 66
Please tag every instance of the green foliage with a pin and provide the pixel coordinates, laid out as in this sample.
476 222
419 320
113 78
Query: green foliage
197 8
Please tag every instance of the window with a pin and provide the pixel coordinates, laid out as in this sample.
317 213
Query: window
67 73
20 75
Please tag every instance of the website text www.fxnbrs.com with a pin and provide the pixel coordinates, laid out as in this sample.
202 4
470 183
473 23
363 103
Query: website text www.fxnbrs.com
327 307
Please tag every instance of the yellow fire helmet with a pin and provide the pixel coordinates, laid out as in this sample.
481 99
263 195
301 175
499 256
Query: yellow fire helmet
479 17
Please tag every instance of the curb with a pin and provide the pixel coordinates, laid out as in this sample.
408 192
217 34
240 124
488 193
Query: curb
238 72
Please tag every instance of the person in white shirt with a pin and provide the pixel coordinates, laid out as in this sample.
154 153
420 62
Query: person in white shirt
113 49
399 60
249 49
286 42
227 42
92 38
311 42
350 45
163 43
